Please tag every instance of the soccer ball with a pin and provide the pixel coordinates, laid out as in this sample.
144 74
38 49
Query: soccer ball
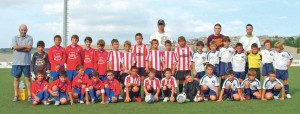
181 98
149 98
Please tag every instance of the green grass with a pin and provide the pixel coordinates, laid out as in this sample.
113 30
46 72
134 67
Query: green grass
245 107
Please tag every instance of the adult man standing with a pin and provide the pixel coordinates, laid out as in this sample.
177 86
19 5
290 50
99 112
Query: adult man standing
217 36
249 39
21 46
161 35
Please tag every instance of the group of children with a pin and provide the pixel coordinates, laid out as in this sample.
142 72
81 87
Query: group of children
93 73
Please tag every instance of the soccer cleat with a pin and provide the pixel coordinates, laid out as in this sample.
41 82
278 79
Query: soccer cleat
138 99
93 101
276 97
56 103
81 101
166 99
120 97
288 96
161 98
15 99
205 99
228 99
46 102
29 99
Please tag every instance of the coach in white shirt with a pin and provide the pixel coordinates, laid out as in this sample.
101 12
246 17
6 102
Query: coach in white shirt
161 35
249 39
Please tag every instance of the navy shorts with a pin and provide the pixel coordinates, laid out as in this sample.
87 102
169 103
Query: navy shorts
270 91
224 68
180 75
54 75
17 70
252 94
267 67
282 74
199 75
89 71
71 74
141 71
212 92
216 70
240 75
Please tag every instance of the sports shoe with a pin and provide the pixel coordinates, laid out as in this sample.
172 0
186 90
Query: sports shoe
93 101
81 101
161 98
205 99
120 97
166 99
46 102
288 96
276 97
229 99
29 98
15 99
138 99
56 103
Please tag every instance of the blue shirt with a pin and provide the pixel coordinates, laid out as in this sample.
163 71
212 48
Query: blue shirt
21 57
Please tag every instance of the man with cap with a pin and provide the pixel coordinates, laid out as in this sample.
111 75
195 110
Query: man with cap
161 35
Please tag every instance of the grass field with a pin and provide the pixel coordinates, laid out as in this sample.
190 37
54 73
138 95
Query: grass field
252 107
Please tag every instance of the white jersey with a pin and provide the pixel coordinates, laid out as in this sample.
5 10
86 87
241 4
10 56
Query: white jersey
213 57
239 62
161 39
226 54
248 41
210 81
254 85
270 85
282 59
267 56
199 58
235 84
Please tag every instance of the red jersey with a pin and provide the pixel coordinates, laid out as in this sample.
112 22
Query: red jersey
100 63
133 80
114 85
96 85
115 59
88 61
75 56
36 87
84 80
155 84
171 81
57 56
140 53
169 59
155 59
128 60
62 86
183 58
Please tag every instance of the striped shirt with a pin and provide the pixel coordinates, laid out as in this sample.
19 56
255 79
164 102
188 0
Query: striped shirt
171 81
133 80
154 57
128 60
115 59
140 53
155 84
169 59
183 58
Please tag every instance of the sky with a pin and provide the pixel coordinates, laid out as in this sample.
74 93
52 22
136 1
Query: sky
120 19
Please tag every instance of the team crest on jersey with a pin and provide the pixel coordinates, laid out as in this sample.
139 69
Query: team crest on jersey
271 54
213 82
283 55
203 57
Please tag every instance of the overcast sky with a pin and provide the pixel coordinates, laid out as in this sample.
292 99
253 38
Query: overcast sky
121 19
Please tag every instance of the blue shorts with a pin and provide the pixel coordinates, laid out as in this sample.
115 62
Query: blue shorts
282 74
103 78
77 91
71 74
270 91
267 67
240 75
251 94
16 71
62 95
42 95
224 68
199 75
110 93
216 70
89 71
210 92
54 75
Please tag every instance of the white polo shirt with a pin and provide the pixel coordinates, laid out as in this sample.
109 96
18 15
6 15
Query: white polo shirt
254 85
281 60
267 56
270 85
161 39
235 84
226 54
210 81
248 41
199 58
239 62
213 57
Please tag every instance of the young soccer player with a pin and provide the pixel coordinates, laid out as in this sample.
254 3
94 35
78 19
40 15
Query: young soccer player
40 61
272 87
96 89
79 84
254 59
231 88
183 54
115 57
128 60
112 88
132 86
209 84
251 86
88 60
267 59
57 58
101 58
199 61
212 58
140 52
75 56
226 53
169 60
39 89
192 89
282 61
59 89
154 59
169 86
152 85
239 59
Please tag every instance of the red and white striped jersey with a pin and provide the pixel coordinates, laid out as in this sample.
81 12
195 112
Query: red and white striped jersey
115 59
140 53
128 60
169 59
171 81
183 58
154 57
155 84
133 80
